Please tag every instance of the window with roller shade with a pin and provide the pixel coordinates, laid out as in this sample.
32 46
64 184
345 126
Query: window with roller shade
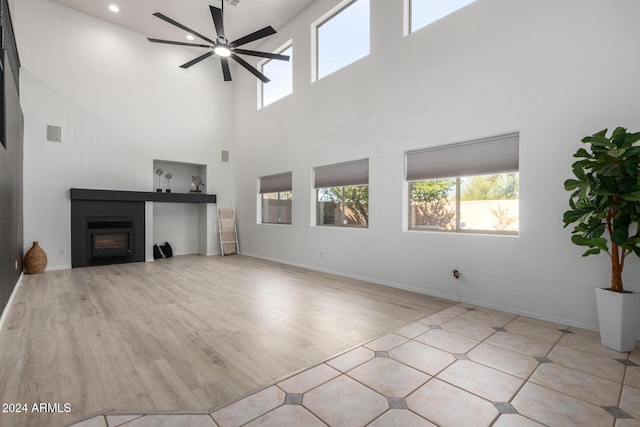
342 194
276 198
467 187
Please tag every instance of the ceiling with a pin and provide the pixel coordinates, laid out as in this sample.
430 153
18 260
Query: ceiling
244 18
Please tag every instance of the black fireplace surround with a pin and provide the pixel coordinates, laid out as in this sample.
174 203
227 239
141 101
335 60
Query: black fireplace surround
106 232
108 226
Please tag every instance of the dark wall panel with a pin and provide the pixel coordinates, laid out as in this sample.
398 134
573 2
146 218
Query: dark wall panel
11 172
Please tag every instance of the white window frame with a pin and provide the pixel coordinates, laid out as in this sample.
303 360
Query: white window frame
353 173
501 156
407 17
262 63
315 60
272 184
342 221
279 199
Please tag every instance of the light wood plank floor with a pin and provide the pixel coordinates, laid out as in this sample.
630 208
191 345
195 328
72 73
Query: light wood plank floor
186 333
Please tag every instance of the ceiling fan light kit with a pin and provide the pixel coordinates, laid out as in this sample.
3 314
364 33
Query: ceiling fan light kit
222 51
222 48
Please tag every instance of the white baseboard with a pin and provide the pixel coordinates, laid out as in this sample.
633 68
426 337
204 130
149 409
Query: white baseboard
5 311
58 267
449 297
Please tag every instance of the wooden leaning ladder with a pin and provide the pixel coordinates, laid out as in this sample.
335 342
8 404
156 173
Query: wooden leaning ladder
228 232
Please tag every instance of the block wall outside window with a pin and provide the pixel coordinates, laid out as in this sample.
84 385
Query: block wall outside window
481 203
276 199
276 208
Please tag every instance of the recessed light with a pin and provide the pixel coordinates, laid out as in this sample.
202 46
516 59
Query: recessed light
190 37
114 8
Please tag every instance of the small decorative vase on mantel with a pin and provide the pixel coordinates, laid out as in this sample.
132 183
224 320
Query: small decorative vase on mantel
35 260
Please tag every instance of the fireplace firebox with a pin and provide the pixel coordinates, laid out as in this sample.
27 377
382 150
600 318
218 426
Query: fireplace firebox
110 238
106 232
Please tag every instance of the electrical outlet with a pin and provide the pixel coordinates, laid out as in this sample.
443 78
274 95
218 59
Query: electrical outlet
61 251
321 254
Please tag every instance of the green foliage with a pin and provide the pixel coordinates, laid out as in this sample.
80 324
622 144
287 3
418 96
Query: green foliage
432 190
430 201
356 204
605 197
352 200
491 187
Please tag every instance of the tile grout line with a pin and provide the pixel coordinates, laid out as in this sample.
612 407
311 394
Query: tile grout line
527 380
349 376
433 376
286 377
302 370
557 343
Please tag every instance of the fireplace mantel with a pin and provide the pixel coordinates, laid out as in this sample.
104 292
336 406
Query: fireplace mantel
99 199
140 196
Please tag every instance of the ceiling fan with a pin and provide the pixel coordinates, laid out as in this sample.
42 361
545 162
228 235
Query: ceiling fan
222 47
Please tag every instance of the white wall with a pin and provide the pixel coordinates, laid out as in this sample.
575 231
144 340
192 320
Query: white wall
122 102
553 70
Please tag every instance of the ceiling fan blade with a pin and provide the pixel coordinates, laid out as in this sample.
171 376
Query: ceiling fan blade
250 68
182 27
178 43
226 72
262 54
196 60
256 35
216 14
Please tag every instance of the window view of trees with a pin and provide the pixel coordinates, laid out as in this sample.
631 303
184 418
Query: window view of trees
490 187
431 204
343 206
479 203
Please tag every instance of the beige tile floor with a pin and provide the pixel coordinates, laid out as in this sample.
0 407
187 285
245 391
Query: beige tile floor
463 366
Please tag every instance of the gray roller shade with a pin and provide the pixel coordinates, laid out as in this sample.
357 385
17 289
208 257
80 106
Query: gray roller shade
343 174
482 157
275 183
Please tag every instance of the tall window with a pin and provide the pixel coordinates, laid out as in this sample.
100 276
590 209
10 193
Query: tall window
425 12
472 187
281 75
342 36
276 198
342 194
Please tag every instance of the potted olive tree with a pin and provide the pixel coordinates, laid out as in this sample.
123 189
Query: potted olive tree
605 208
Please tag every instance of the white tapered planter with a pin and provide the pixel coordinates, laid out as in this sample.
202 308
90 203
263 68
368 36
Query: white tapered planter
619 318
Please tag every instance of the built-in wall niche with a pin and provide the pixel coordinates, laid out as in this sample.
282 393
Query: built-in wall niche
184 225
177 176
